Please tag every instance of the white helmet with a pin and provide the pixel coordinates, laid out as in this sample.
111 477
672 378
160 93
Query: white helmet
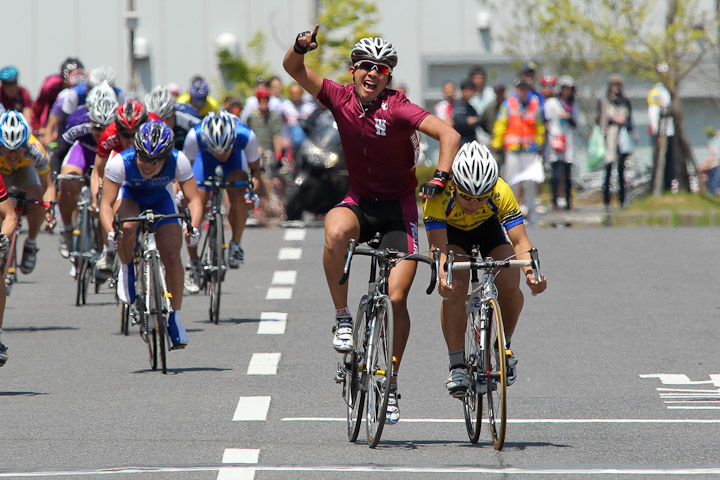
101 74
101 104
374 49
474 169
218 132
14 130
160 102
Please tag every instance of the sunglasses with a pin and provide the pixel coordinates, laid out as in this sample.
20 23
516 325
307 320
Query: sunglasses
151 161
367 65
471 198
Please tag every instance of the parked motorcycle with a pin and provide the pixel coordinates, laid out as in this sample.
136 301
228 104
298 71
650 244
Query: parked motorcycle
321 177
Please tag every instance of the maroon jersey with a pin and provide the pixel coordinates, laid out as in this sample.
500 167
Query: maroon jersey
3 190
380 142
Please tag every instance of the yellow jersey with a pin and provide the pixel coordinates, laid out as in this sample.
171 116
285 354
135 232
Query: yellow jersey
35 155
442 210
210 104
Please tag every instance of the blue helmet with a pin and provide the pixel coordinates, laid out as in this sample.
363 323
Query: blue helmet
199 90
9 74
218 132
14 130
154 140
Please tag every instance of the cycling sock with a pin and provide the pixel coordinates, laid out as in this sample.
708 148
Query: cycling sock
30 243
457 358
0 335
508 337
393 383
341 312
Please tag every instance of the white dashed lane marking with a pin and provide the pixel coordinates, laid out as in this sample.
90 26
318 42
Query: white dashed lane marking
294 235
251 409
272 323
284 277
239 455
279 293
289 253
264 364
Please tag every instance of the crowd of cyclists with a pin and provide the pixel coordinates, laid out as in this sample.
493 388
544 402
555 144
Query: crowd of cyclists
153 153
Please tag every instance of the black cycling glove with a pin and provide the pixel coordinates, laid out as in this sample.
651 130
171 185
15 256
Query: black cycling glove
302 50
436 185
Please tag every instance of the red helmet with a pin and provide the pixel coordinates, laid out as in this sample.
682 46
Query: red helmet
548 80
130 115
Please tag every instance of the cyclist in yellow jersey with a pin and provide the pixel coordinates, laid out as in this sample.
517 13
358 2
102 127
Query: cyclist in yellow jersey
477 208
198 98
24 165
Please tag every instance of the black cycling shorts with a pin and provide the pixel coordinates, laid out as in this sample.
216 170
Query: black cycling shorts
487 236
395 220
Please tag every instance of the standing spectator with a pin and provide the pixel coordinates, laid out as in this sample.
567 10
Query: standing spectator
660 121
484 94
12 95
488 117
251 103
198 97
296 110
547 86
51 88
174 89
520 130
614 115
465 117
444 108
527 72
561 120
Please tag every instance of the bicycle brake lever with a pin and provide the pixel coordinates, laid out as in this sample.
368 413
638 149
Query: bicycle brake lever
535 263
348 259
448 267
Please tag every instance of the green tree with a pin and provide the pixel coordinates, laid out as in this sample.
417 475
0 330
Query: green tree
635 37
342 24
241 72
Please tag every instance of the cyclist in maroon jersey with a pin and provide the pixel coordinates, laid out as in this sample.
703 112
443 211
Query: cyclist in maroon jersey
9 224
378 128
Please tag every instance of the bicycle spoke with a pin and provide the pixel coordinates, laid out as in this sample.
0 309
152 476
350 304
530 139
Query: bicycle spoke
379 370
473 399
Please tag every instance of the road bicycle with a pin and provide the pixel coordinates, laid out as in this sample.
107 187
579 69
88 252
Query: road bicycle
8 264
485 348
213 256
365 372
86 246
152 308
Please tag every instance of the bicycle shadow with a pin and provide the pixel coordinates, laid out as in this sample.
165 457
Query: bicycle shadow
177 371
418 444
37 329
238 321
22 394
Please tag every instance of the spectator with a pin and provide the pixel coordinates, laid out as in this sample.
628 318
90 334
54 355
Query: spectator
488 117
296 110
527 72
660 121
614 115
547 86
12 95
444 108
465 117
520 131
251 103
561 120
174 89
484 94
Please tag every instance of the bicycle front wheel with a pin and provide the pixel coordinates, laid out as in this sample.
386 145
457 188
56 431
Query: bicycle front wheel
9 268
353 388
496 366
473 399
82 279
379 369
215 279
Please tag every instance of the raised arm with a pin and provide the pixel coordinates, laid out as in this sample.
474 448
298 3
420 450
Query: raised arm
294 62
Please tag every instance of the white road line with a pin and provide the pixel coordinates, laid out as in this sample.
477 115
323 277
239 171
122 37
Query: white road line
697 407
263 364
239 455
294 235
279 293
284 277
272 323
289 253
249 470
252 409
523 420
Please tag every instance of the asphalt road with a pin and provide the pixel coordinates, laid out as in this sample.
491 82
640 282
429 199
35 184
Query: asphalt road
618 373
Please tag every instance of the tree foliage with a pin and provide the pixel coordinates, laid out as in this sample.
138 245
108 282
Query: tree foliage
242 72
342 24
591 39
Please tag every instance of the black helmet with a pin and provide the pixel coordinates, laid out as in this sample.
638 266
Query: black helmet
68 65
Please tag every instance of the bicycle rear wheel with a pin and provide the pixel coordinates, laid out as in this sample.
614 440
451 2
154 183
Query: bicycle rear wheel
124 318
473 399
495 362
353 390
379 369
159 312
82 279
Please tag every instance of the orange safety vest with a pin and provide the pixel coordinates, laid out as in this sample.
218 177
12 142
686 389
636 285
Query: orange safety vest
522 123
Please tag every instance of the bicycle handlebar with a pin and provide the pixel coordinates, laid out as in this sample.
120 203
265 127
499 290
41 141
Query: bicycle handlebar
148 216
215 183
490 264
21 196
74 176
390 254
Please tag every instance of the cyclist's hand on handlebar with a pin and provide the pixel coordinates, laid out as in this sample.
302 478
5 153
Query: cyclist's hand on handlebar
50 220
444 289
535 285
193 236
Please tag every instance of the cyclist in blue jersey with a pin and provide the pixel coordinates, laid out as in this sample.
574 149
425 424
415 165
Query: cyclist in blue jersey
222 141
143 177
161 102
